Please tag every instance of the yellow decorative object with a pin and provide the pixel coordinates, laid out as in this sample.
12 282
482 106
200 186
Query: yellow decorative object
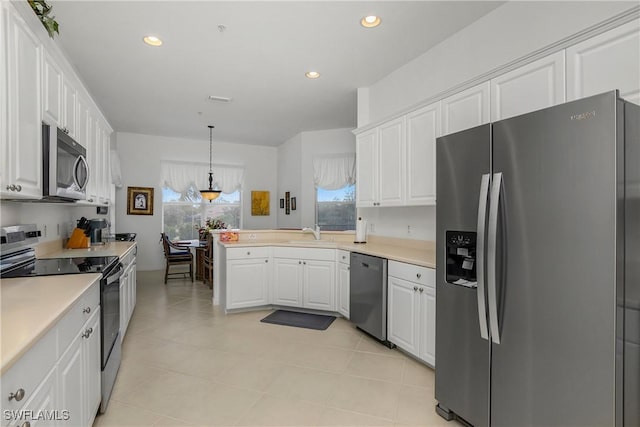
260 203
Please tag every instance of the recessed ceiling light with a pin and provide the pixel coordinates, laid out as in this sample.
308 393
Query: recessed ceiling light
370 21
312 74
152 41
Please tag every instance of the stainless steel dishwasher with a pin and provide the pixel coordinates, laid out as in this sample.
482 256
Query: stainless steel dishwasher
368 294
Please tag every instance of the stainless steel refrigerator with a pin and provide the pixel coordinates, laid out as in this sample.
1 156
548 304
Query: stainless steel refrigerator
538 268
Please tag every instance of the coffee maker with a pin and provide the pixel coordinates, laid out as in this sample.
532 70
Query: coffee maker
96 226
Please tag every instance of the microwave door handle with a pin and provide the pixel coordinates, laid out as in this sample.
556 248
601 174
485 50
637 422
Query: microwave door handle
80 159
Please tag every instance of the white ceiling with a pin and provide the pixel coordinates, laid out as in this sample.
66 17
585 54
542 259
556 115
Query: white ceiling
259 60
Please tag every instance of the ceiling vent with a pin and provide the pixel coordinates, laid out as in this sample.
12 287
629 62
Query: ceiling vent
219 98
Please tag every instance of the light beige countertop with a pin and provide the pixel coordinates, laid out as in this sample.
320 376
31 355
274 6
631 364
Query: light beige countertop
31 306
55 250
417 252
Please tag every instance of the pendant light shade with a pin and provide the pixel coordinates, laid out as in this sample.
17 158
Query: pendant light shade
210 194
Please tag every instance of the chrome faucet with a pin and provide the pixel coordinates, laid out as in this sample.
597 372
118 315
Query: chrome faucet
316 232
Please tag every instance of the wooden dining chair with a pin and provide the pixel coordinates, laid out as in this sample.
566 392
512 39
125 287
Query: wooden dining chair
207 262
175 255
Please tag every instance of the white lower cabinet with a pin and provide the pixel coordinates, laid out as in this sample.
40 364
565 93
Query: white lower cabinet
127 290
79 374
411 309
343 282
58 379
304 277
248 273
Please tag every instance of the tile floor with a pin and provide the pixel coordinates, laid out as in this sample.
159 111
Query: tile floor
187 363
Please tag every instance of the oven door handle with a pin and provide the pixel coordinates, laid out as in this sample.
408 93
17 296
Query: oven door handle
115 276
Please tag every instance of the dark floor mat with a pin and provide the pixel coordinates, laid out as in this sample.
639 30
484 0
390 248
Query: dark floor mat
299 320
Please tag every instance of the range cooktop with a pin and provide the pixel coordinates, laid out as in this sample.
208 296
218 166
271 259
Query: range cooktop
55 266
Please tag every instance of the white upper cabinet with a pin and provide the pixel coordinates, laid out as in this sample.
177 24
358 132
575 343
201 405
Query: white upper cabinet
69 101
367 168
466 109
423 127
52 91
608 61
22 148
534 86
391 152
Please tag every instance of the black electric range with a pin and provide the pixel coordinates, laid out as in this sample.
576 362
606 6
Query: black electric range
24 264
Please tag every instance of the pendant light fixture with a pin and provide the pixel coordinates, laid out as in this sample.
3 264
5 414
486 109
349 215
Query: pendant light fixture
210 194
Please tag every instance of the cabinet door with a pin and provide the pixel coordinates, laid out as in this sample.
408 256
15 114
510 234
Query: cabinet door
391 161
134 285
124 299
466 109
52 91
366 169
105 193
319 285
22 174
287 282
69 101
343 289
534 86
403 314
92 158
427 328
82 134
423 127
43 399
71 381
247 283
608 61
92 369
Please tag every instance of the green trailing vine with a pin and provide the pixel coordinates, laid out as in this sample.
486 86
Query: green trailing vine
42 9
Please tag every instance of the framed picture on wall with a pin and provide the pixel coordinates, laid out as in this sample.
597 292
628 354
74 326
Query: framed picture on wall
139 200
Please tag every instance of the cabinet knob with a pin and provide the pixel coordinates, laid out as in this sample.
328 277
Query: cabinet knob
299 262
18 395
87 333
421 289
248 253
11 187
87 310
90 200
415 288
344 257
18 187
418 275
348 268
266 260
304 262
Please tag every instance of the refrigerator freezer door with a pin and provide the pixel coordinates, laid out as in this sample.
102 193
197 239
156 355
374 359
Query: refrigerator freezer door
556 268
462 374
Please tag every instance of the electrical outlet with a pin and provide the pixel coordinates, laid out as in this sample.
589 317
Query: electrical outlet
252 236
408 229
44 230
57 230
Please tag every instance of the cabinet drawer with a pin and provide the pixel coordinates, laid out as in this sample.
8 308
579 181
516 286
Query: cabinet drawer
128 257
29 371
412 273
81 311
248 252
305 253
343 256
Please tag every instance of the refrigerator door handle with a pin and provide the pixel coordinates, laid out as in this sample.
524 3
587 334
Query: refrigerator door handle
494 201
482 217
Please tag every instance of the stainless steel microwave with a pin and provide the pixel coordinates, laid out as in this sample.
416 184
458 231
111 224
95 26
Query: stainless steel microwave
65 168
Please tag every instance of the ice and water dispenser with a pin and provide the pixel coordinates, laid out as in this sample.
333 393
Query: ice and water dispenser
461 258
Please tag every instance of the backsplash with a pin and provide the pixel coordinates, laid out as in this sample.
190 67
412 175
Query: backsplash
406 222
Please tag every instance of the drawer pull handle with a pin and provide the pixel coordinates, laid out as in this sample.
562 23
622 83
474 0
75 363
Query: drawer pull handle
87 333
87 310
421 289
18 395
418 275
248 253
415 288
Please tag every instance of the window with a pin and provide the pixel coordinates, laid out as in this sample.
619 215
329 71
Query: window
184 213
336 209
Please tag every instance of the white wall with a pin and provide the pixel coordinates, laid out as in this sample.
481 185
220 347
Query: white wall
289 172
295 171
509 32
140 158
